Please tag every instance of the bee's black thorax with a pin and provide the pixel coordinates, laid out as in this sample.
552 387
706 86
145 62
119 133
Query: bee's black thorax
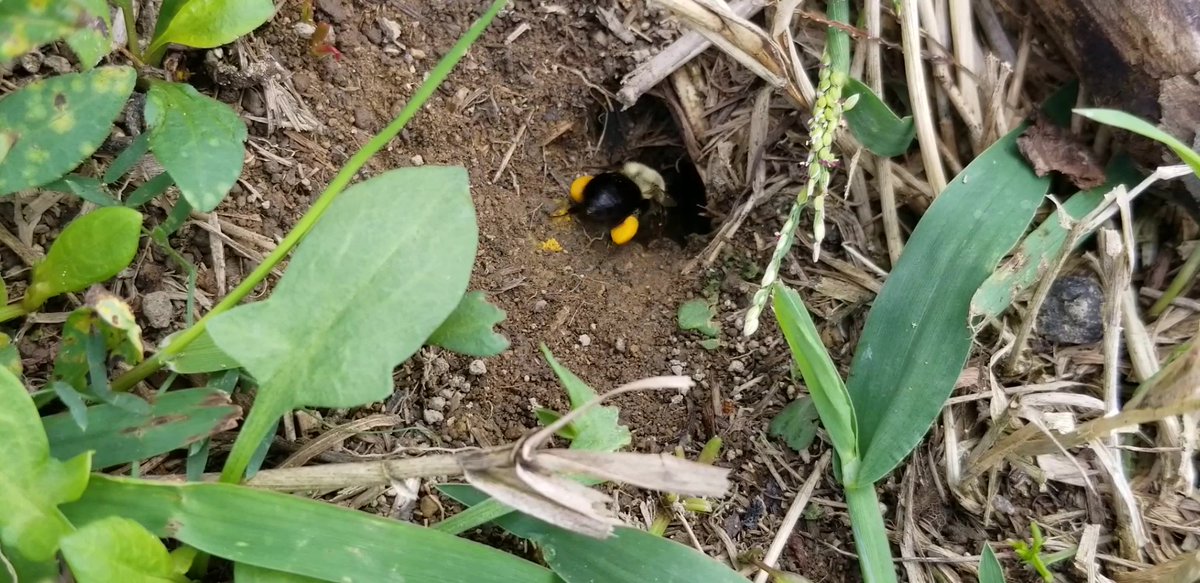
609 198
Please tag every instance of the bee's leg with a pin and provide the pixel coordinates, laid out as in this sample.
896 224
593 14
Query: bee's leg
624 232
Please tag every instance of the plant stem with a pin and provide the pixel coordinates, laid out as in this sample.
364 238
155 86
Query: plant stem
131 37
309 220
12 311
870 535
1182 279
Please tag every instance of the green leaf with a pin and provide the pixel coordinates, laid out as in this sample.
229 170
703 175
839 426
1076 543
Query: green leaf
875 125
92 249
630 555
32 484
76 407
385 266
103 326
200 356
53 124
127 158
149 190
1037 252
796 424
206 24
1141 127
916 338
829 393
27 24
29 571
243 573
698 315
990 570
197 139
598 428
85 187
468 330
176 419
118 549
10 357
297 535
91 43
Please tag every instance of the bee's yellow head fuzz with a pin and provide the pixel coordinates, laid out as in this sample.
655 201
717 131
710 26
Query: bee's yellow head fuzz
577 188
624 232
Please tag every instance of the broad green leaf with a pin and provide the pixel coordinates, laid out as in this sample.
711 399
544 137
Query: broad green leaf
53 124
468 330
92 249
697 315
630 555
32 484
1143 128
197 139
85 187
297 535
825 386
243 573
176 419
118 549
990 570
384 267
796 424
199 356
875 125
27 24
205 24
916 338
1036 253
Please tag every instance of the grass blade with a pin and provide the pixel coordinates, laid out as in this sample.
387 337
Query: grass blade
1141 127
916 338
297 535
630 555
820 374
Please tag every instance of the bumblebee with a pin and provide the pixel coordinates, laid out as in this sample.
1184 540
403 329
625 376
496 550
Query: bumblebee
623 200
618 200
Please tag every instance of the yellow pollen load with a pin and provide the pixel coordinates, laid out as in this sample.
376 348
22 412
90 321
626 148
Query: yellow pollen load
577 188
624 232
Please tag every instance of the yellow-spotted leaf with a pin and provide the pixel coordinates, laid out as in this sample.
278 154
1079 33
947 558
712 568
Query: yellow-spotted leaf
93 40
197 139
205 24
32 484
26 24
92 249
380 272
119 549
50 126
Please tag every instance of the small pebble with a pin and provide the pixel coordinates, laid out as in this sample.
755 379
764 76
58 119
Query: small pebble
437 403
58 63
477 367
676 369
1072 311
364 119
585 340
417 160
432 417
737 367
620 345
157 308
428 506
539 305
